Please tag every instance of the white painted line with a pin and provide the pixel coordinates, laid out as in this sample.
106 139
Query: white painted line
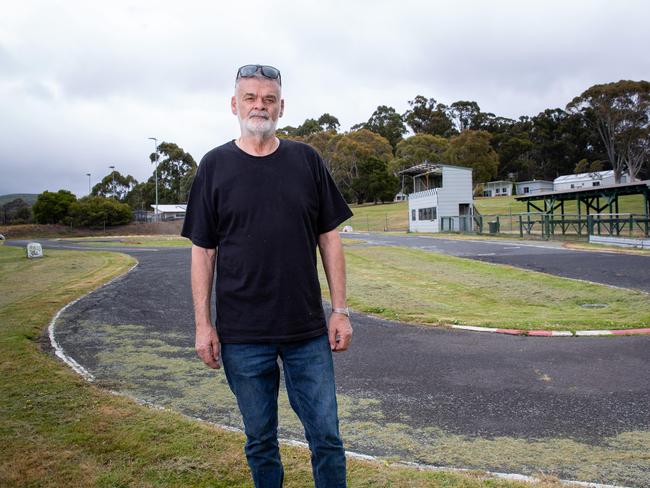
507 476
364 457
562 333
593 332
58 350
473 328
90 378
522 244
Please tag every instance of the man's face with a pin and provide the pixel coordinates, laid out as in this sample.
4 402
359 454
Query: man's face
258 105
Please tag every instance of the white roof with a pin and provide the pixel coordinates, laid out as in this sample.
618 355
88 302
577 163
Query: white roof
428 168
598 175
534 181
178 207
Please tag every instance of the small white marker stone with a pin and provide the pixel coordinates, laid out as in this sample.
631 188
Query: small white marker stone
34 250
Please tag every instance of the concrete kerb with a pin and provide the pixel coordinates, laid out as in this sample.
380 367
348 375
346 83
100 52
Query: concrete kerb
553 333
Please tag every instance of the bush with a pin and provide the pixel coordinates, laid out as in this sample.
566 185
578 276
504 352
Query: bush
52 208
16 212
99 212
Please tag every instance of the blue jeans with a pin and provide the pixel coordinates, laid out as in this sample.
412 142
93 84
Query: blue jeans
254 377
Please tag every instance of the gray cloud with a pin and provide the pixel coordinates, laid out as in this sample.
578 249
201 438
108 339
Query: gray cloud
83 84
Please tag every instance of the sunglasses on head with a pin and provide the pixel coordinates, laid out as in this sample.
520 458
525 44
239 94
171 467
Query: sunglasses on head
251 70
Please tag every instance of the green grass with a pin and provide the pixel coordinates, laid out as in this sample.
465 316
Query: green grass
380 217
498 205
507 205
56 430
133 241
394 216
163 369
416 286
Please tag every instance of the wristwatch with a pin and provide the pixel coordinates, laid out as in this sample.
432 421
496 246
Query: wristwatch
345 311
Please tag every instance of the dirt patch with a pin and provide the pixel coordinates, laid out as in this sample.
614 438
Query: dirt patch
29 231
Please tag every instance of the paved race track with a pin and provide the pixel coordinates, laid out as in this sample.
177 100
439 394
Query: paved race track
427 384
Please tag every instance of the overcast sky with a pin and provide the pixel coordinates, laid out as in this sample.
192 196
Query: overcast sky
84 84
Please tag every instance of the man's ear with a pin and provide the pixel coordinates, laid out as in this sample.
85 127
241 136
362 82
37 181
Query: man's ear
281 107
233 105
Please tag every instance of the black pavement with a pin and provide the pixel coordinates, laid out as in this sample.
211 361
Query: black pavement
465 382
472 384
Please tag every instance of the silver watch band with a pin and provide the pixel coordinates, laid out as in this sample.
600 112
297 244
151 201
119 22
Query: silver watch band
345 311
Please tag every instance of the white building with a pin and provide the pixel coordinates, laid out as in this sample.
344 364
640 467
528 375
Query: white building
534 186
587 180
442 198
497 189
170 212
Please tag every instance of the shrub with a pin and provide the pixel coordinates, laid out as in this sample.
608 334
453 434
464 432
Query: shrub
51 207
99 211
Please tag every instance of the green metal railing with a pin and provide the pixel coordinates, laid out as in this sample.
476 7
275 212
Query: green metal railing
547 226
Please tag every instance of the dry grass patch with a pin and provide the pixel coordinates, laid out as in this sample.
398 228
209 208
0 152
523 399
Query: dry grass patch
416 286
59 431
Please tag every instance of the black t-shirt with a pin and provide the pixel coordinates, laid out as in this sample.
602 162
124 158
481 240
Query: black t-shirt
264 216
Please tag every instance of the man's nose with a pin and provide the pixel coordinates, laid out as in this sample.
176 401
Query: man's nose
259 104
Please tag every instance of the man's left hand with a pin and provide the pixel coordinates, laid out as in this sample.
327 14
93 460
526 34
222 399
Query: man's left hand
339 331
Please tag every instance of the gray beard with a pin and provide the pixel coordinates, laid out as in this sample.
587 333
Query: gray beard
267 128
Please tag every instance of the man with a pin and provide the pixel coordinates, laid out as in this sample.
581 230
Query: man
259 207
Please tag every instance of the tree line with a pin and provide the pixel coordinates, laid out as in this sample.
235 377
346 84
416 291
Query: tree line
113 200
605 127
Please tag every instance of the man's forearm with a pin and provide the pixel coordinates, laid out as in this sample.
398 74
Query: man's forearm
331 251
202 277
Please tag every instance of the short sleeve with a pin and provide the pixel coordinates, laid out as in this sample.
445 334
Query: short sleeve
333 210
201 218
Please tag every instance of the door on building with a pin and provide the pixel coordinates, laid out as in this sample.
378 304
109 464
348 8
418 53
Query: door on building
465 217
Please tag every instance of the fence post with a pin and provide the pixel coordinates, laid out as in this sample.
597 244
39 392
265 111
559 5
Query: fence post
521 226
386 226
546 227
631 222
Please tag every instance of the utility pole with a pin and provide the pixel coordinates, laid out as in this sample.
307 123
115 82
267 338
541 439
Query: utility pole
155 141
113 175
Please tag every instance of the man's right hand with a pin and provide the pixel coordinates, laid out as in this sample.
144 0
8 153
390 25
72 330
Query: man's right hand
207 345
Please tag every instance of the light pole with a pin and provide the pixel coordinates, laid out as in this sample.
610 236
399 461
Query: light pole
113 175
88 175
155 141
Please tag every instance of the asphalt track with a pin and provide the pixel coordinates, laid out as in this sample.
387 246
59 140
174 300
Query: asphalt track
464 383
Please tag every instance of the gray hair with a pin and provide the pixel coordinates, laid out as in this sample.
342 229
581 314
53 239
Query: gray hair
259 76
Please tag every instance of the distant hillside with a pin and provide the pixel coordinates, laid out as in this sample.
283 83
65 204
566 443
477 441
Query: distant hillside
29 198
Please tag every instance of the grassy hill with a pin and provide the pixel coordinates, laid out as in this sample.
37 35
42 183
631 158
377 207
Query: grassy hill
29 198
394 216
